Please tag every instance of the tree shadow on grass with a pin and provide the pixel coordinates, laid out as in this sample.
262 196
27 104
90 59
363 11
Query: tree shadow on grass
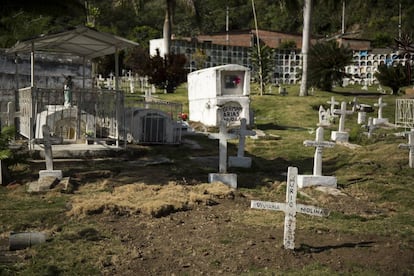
272 126
318 249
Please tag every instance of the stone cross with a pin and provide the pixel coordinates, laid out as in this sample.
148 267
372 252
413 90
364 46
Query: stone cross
290 208
333 103
243 132
222 136
324 117
380 106
319 145
343 112
409 146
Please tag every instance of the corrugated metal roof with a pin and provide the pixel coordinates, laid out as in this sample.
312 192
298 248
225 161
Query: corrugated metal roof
81 41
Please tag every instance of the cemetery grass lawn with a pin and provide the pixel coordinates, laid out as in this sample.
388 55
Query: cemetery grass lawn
149 211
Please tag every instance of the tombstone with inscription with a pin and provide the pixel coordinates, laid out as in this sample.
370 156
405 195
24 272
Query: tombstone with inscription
240 160
229 179
380 120
341 135
290 208
317 179
225 87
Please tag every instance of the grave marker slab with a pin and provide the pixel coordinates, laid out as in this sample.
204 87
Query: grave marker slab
240 160
290 208
410 147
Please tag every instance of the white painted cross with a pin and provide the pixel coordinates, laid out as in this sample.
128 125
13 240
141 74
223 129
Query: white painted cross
290 208
380 106
333 103
222 136
319 144
242 133
343 112
409 146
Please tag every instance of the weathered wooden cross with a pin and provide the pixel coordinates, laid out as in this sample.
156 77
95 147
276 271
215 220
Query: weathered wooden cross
409 146
290 208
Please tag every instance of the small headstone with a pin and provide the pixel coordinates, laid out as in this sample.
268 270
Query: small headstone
227 178
341 135
409 146
317 179
362 110
290 208
380 120
240 160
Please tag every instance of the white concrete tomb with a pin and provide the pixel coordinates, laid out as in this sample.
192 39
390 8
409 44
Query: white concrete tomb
225 87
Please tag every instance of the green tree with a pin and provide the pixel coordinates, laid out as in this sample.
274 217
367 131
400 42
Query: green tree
327 64
394 77
166 73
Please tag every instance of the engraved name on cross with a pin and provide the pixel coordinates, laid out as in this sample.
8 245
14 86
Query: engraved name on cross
290 208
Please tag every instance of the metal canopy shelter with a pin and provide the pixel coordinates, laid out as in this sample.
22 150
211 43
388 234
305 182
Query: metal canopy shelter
81 41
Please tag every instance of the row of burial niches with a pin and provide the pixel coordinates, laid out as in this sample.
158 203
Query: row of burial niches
221 90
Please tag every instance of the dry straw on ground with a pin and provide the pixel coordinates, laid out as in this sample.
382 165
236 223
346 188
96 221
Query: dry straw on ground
154 200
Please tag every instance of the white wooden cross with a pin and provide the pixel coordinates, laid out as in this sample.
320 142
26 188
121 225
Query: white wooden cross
333 103
319 145
343 112
222 136
290 208
409 146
